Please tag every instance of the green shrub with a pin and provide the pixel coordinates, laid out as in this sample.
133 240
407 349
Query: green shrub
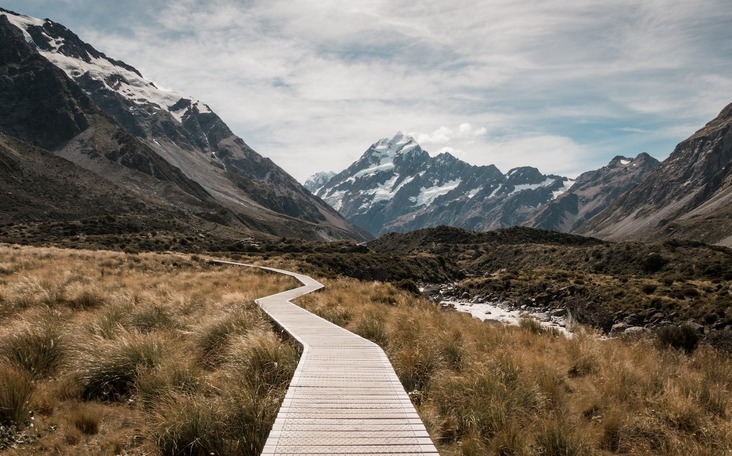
408 285
653 262
680 337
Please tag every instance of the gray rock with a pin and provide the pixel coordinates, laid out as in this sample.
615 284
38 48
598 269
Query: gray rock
618 328
558 312
634 330
695 326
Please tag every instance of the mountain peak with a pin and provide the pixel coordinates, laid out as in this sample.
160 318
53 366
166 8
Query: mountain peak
90 67
724 119
174 155
642 159
396 145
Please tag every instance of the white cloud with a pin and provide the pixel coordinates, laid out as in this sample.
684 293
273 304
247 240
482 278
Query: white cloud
551 154
312 84
464 133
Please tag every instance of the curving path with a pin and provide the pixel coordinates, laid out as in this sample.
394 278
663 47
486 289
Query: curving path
345 398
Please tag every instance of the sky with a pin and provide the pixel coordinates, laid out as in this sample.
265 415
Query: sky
563 86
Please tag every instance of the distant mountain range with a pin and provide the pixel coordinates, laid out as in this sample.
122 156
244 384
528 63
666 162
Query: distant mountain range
119 145
397 186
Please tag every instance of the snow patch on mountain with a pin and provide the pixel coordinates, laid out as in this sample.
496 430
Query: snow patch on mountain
335 199
23 22
315 182
568 183
115 78
524 187
471 194
428 195
381 167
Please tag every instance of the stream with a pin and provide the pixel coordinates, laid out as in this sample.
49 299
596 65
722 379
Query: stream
497 313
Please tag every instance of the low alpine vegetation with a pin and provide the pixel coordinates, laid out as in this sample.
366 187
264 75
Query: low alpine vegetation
136 354
485 389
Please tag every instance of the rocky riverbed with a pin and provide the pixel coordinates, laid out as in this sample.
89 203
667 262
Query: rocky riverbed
560 308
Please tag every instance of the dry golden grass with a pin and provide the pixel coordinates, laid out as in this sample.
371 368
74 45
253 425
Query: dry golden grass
484 389
113 353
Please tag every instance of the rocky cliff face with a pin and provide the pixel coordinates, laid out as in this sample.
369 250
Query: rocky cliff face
592 192
102 115
397 186
689 195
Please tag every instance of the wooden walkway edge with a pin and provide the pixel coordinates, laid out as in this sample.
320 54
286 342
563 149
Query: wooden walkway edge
345 398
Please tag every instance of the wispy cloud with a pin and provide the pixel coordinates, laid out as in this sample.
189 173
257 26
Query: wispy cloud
563 86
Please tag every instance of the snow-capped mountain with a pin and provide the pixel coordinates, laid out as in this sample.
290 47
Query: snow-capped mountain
397 186
592 192
689 195
318 181
103 115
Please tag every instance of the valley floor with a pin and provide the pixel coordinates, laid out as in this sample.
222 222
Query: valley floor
115 353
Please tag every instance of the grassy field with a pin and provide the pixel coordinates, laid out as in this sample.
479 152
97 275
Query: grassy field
494 390
114 353
110 353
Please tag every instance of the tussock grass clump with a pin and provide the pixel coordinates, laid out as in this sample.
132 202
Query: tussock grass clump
557 439
372 327
260 359
251 412
37 348
173 376
531 325
87 299
87 418
213 338
235 413
153 317
109 321
192 426
16 391
110 368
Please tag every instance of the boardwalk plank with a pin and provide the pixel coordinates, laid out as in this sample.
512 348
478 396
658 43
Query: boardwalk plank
345 398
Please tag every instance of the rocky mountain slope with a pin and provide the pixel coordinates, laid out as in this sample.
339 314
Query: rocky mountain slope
688 196
61 95
592 192
397 186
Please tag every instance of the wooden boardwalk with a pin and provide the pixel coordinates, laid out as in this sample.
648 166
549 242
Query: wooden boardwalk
345 398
